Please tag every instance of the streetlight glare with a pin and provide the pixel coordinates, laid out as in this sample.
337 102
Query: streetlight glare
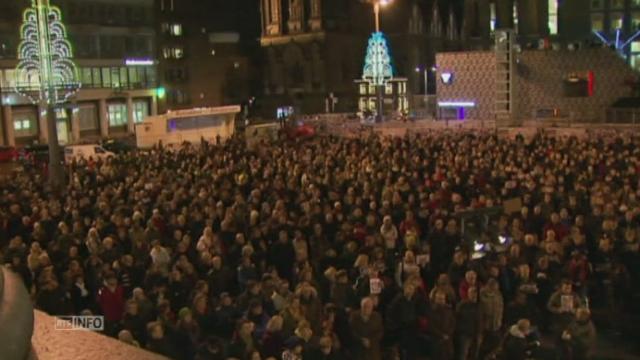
385 2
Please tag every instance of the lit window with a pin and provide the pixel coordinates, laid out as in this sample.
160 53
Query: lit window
362 104
492 20
388 89
515 16
178 53
617 20
372 89
634 60
23 125
553 17
635 21
635 3
236 65
363 89
140 110
597 22
635 47
61 114
617 4
176 29
117 114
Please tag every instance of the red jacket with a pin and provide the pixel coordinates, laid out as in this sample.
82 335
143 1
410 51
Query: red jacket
111 303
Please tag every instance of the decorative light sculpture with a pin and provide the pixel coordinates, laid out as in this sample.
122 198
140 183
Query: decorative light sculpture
378 68
45 73
618 43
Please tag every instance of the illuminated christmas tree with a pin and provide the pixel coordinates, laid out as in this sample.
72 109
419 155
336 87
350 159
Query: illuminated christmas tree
378 68
45 71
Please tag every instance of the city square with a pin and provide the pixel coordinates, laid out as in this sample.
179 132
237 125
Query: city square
319 179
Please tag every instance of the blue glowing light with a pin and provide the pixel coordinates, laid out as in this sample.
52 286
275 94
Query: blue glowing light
378 68
619 43
455 104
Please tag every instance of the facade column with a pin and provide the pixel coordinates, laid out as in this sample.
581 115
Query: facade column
103 118
154 106
3 142
131 128
9 131
42 125
75 124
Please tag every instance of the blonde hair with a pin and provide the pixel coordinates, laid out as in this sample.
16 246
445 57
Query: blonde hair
275 323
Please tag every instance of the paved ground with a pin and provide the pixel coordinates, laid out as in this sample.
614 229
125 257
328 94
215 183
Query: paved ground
51 344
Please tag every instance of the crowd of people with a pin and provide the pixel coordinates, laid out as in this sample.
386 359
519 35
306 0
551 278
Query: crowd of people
336 248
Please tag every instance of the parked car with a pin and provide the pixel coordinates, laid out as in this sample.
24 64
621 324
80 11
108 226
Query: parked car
8 154
35 154
76 152
118 146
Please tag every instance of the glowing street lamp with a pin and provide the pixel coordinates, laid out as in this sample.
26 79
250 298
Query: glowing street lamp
376 10
45 73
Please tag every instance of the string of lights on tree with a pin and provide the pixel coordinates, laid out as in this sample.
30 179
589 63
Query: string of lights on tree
378 68
45 71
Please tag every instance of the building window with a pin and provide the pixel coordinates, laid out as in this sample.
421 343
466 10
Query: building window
117 114
515 16
617 4
179 97
24 124
597 22
634 58
596 4
88 117
635 21
173 52
492 19
20 125
617 21
87 80
388 88
363 89
106 78
97 77
553 17
635 3
176 29
140 110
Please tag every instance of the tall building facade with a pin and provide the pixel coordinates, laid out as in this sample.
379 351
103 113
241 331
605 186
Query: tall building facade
314 50
202 57
114 45
559 21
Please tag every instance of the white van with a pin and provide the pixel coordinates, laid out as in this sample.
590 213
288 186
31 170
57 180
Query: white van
77 152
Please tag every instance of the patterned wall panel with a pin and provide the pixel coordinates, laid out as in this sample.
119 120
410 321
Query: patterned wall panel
539 83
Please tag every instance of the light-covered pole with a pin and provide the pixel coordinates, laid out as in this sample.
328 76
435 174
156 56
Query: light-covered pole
380 86
45 73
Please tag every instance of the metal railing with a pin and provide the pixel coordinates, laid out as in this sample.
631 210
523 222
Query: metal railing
623 116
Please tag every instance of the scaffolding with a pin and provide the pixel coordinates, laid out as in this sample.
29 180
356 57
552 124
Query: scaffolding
505 78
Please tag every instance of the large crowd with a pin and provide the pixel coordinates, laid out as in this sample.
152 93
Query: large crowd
336 248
